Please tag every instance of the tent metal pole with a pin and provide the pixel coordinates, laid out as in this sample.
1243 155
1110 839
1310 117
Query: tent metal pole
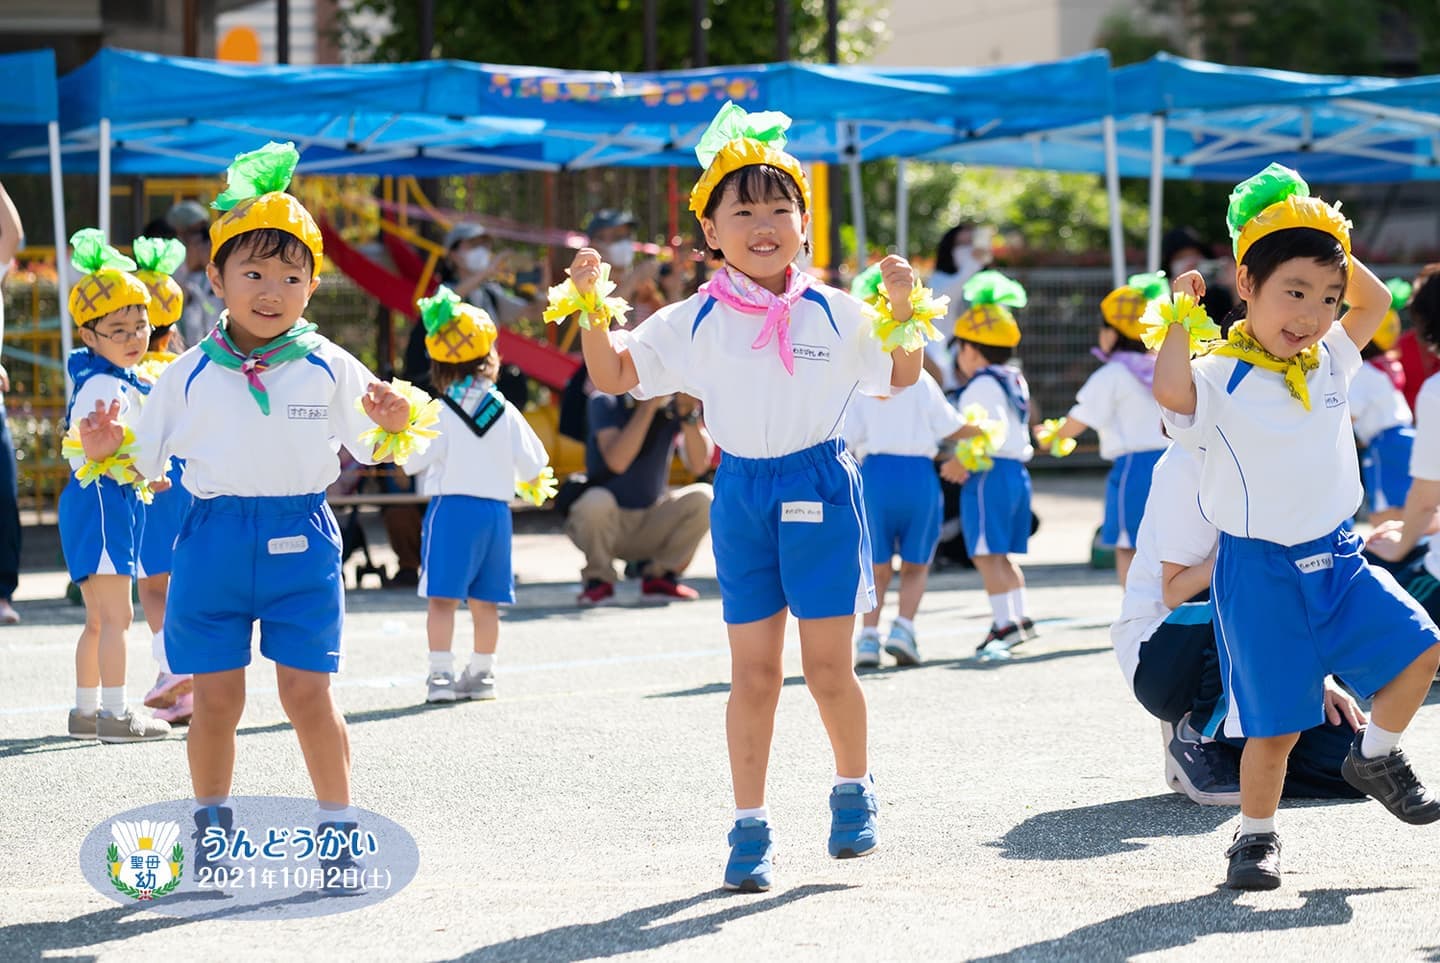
1112 191
902 210
857 204
62 260
1157 190
104 219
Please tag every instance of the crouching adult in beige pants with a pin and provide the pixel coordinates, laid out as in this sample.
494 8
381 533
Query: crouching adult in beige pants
629 511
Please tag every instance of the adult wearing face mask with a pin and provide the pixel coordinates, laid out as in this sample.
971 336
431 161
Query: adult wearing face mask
612 233
1181 250
963 251
191 223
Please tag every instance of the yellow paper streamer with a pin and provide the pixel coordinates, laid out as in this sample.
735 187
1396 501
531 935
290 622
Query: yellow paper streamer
119 467
910 335
596 308
540 489
400 446
1047 436
1181 309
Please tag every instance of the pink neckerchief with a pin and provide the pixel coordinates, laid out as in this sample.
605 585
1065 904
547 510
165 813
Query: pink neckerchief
743 294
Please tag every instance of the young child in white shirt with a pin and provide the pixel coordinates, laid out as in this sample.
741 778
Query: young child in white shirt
485 448
1384 426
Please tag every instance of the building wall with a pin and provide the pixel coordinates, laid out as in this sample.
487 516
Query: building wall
964 33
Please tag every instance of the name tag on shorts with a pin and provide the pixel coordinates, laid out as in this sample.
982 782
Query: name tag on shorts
290 545
1315 563
802 512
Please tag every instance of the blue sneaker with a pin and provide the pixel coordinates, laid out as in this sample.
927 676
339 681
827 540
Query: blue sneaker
1207 772
901 645
852 821
867 649
344 873
752 856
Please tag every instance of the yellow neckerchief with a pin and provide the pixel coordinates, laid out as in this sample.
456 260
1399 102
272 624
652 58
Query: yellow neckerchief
1242 345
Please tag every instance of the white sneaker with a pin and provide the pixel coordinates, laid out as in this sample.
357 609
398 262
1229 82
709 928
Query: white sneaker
440 687
867 649
475 686
902 646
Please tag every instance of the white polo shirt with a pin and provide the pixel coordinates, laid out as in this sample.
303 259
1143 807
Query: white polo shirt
460 462
987 392
105 388
912 422
753 407
1425 457
1274 471
1173 530
206 415
1121 409
1375 404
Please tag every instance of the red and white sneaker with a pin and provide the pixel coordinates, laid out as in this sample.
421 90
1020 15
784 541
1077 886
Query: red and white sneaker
597 592
167 689
667 587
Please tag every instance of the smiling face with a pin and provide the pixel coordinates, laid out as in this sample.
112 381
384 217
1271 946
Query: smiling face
120 337
759 227
1294 307
264 295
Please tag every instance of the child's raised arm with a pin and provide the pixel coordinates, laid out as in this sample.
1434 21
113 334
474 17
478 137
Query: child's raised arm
1174 386
613 372
899 279
1369 299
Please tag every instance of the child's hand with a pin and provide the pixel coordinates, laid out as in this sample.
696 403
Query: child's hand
1384 542
1191 283
386 407
1339 705
101 433
160 485
952 471
898 279
585 269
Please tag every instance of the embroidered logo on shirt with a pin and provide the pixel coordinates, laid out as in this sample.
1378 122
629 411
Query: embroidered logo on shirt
802 511
811 352
1315 563
1333 399
290 545
307 412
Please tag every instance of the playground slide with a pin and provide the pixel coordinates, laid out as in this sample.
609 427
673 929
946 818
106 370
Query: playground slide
544 362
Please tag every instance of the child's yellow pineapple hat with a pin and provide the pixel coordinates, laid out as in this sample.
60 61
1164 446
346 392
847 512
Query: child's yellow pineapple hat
255 198
1389 330
1277 199
157 259
736 139
455 332
1124 306
107 284
988 320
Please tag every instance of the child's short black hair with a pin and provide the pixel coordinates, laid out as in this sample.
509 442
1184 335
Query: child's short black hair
992 353
1122 343
160 338
1267 254
1425 310
443 374
754 183
264 243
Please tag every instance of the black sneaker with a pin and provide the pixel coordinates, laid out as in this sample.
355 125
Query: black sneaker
208 819
1000 639
1391 782
1254 861
1207 772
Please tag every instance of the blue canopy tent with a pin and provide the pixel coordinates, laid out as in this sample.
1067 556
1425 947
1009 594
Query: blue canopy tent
29 119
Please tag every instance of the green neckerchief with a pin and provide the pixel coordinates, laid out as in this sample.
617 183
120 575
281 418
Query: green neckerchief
299 342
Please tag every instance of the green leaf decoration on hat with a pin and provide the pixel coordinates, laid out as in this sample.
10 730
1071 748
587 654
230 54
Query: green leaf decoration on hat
438 311
1400 291
159 254
92 254
866 285
1151 285
262 171
992 287
1252 195
734 122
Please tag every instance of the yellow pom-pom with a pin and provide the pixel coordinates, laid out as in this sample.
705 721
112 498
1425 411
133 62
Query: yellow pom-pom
1047 434
1181 309
976 453
119 467
596 309
415 437
540 489
910 335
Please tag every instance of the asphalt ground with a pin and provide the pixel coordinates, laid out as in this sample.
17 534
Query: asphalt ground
582 815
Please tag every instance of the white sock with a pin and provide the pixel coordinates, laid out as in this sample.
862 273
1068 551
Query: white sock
482 662
87 698
1378 742
157 650
906 624
1252 824
759 812
112 699
864 780
1017 602
442 662
342 814
1000 607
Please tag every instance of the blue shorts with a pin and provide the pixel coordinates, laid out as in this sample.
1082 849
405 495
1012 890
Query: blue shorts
100 528
790 531
241 560
1125 492
465 550
1287 616
995 510
1385 468
902 507
163 517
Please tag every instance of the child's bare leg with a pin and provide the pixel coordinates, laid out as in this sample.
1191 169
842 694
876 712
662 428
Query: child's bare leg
1396 704
1123 558
108 598
1262 774
871 619
320 727
153 592
825 655
219 703
912 588
440 623
998 574
87 649
756 676
486 616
